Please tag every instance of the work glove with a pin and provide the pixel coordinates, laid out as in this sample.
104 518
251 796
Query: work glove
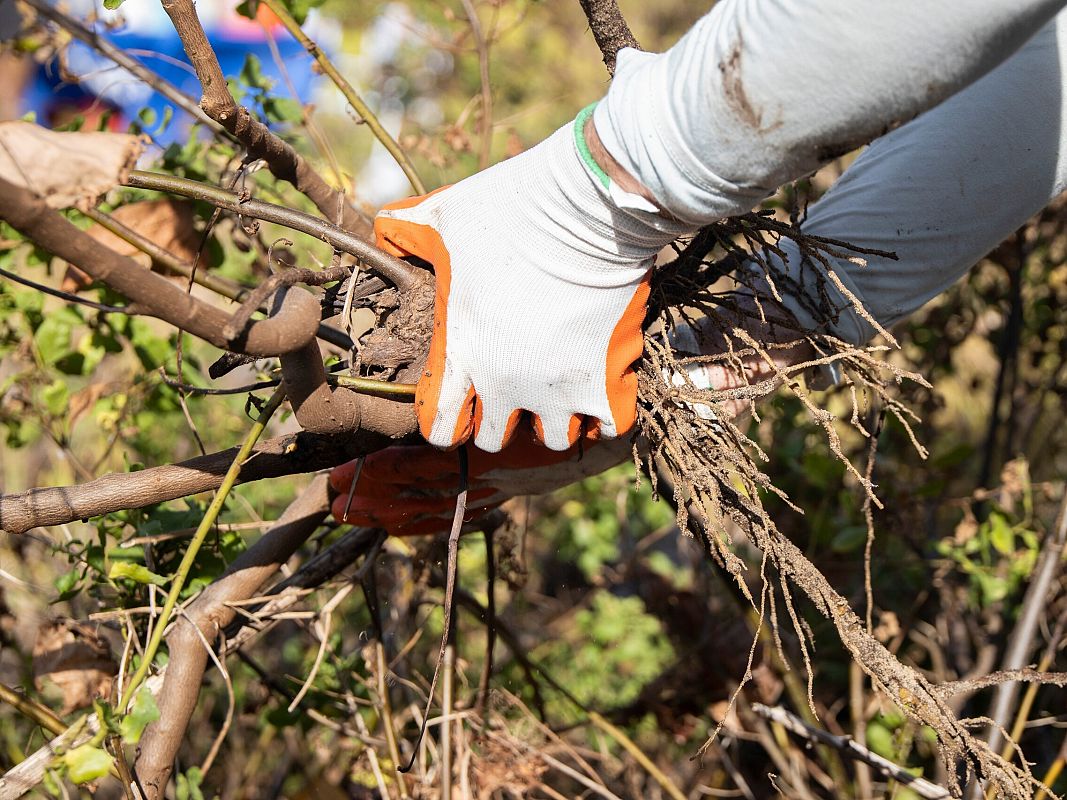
542 267
411 490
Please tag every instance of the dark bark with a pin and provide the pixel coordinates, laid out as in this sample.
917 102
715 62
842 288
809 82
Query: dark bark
609 29
282 160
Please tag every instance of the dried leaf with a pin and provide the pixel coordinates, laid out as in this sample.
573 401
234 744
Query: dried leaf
73 657
168 223
66 169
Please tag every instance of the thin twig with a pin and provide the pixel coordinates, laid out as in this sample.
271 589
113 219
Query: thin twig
400 273
1022 636
794 724
32 710
260 142
178 582
353 98
139 70
70 298
450 588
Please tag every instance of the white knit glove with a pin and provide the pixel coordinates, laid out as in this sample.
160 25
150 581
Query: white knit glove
542 280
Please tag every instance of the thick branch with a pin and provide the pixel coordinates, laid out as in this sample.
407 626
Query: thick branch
609 29
260 142
319 407
284 455
293 326
207 279
400 273
212 611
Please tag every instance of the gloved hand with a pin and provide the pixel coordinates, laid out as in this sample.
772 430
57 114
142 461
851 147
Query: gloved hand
542 267
412 490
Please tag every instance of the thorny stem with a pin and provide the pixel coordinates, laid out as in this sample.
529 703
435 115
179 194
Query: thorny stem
346 88
202 531
400 273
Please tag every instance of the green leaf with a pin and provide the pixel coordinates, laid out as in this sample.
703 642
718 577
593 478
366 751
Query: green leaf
56 397
189 785
111 5
53 335
136 572
880 740
87 763
1001 535
144 713
849 538
284 109
67 583
252 74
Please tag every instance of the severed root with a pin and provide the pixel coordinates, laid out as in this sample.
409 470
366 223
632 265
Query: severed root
713 468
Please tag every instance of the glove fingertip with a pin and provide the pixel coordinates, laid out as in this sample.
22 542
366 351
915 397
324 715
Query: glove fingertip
451 423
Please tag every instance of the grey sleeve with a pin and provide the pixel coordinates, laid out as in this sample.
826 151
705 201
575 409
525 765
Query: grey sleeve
945 189
760 92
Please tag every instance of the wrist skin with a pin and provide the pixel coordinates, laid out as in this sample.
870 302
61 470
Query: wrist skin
623 179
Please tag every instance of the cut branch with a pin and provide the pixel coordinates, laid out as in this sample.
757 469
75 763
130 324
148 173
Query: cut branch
609 29
285 455
293 326
260 142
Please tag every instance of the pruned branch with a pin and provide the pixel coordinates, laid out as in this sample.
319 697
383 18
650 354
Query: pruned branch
293 326
609 29
284 455
260 142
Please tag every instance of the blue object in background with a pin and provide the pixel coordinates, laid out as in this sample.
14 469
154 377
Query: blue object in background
104 86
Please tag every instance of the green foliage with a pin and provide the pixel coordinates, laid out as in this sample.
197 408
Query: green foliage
612 650
298 8
142 714
87 763
997 557
188 784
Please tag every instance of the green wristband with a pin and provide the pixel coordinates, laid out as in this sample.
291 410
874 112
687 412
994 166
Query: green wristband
583 145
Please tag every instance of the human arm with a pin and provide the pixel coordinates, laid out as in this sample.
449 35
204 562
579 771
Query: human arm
940 191
542 262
